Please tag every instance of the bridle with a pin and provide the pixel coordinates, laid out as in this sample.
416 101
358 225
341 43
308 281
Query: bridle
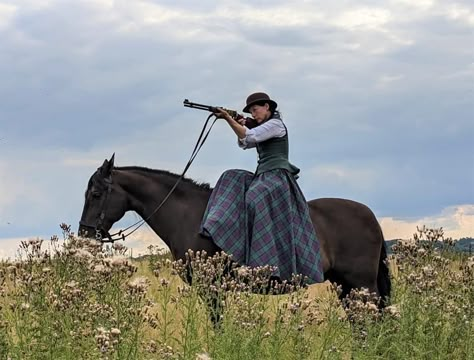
98 226
121 234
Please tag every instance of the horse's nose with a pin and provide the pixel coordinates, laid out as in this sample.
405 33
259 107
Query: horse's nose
86 231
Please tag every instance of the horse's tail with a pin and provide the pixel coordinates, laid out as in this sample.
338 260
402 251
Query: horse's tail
383 277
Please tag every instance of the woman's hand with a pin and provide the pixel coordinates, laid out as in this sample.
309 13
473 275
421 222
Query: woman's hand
241 120
222 114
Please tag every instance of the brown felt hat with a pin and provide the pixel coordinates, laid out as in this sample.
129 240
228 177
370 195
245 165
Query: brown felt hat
259 97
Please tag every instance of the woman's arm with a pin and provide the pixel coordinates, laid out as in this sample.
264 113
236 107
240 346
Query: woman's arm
269 129
238 128
249 137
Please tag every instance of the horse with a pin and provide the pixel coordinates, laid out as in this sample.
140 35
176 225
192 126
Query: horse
352 244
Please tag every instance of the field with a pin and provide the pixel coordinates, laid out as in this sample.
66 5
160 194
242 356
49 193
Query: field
70 298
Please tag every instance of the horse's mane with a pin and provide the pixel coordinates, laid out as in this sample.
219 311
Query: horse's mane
204 186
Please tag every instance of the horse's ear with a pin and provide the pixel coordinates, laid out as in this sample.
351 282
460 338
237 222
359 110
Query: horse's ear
107 166
111 161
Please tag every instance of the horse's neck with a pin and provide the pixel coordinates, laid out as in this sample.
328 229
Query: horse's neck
182 210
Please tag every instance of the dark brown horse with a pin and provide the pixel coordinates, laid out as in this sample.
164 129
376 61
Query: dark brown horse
352 243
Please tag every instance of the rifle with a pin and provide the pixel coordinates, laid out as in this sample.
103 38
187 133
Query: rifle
249 122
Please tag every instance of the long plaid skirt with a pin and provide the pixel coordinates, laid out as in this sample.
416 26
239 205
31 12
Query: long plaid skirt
264 220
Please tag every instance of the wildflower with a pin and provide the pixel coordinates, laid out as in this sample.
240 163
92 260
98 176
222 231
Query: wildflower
115 332
119 261
372 307
71 284
203 356
294 307
119 248
99 268
102 339
393 311
243 271
139 284
83 254
151 347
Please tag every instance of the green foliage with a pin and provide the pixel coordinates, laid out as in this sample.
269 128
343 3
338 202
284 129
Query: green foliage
77 300
71 300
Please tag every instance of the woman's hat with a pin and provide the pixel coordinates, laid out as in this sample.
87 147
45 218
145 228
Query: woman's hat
259 97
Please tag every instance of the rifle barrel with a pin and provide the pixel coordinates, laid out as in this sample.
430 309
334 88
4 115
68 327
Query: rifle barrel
190 104
213 109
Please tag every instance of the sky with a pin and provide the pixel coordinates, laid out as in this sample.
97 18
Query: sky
377 96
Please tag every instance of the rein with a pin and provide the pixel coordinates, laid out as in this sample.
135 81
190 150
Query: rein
121 235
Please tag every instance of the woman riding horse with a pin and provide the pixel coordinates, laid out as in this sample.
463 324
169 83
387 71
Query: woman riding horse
263 218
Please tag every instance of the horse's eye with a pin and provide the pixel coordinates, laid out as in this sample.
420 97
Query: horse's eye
96 194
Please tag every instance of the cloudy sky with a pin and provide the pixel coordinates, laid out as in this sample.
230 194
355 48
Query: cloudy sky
378 97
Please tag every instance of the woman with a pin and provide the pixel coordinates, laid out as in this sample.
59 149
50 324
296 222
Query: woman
262 218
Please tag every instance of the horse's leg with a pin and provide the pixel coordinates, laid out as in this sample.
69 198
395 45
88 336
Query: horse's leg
352 246
375 279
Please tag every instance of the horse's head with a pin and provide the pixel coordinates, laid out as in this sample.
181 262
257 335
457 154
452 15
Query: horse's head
105 203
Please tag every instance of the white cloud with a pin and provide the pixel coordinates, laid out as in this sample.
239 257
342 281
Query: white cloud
276 16
350 176
14 188
30 4
7 12
385 81
422 5
103 76
461 13
363 19
9 247
456 221
102 4
140 240
80 161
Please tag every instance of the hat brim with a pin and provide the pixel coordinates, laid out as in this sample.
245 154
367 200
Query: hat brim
272 103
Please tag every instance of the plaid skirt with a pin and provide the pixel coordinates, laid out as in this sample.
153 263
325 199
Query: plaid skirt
264 220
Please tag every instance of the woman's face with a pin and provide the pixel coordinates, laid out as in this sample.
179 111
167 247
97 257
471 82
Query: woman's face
260 112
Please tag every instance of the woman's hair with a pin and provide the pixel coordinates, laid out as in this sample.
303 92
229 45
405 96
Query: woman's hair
273 111
276 114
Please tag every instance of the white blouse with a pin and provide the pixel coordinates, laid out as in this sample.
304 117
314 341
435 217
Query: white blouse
267 130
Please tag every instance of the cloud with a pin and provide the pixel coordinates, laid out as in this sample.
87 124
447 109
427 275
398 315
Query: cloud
344 176
456 221
12 190
461 12
376 110
9 247
141 240
7 13
420 5
363 18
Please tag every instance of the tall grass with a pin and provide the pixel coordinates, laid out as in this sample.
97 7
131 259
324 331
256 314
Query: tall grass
74 299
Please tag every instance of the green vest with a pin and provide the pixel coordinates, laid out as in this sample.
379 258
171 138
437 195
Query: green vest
273 154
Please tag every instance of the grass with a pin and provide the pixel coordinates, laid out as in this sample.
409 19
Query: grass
72 299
